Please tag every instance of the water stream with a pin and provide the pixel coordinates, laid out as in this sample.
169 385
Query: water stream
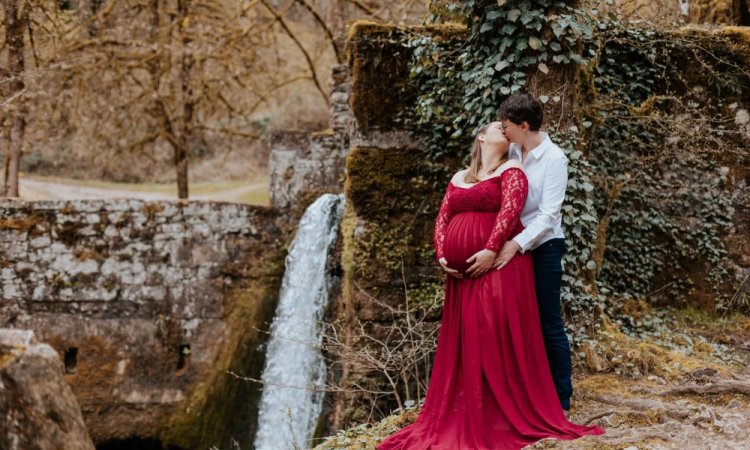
289 408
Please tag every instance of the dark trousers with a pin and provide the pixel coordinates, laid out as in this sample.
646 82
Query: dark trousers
548 277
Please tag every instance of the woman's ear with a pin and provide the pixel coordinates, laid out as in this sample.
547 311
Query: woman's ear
481 137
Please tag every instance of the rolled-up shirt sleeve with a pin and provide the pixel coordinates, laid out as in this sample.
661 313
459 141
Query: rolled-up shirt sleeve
553 194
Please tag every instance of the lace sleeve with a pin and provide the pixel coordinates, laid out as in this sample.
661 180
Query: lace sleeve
513 190
441 223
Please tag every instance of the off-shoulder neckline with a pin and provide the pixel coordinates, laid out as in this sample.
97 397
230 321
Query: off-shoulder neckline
486 179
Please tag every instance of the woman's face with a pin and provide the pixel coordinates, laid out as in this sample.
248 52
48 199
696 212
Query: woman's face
495 135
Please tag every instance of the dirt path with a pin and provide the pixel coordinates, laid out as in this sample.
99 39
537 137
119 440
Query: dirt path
32 189
644 414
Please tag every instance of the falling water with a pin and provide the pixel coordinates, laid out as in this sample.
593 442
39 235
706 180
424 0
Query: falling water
289 409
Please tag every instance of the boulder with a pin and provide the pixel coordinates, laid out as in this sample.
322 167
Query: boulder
37 407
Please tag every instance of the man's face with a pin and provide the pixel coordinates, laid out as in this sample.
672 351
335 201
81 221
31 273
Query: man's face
513 131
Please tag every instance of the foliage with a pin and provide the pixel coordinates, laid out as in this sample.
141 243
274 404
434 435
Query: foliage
111 87
659 133
656 225
461 81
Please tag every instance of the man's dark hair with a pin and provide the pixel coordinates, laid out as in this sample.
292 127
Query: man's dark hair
520 108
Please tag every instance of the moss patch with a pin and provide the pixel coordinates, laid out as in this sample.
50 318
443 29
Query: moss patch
222 407
394 208
379 64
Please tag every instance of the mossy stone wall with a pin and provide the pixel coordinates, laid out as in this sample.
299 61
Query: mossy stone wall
379 64
158 300
387 251
669 111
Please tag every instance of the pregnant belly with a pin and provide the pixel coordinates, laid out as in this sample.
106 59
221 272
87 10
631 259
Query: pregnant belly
467 233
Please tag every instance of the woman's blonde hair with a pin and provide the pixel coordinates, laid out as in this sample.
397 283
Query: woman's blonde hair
472 175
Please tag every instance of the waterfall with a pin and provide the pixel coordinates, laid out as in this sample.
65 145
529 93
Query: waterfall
289 411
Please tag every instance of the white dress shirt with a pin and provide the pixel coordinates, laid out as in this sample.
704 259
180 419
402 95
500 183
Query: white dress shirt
546 168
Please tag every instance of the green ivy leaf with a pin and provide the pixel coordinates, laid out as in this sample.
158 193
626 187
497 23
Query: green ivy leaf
487 26
535 42
528 16
501 65
508 29
492 15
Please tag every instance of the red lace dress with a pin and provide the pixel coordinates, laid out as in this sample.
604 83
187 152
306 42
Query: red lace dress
491 386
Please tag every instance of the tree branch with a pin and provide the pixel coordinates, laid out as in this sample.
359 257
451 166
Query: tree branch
329 34
311 65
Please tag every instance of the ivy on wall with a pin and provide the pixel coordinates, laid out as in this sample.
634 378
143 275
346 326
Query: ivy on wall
647 204
461 82
661 133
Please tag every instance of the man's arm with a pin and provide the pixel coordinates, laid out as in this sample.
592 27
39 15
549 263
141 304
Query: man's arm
553 194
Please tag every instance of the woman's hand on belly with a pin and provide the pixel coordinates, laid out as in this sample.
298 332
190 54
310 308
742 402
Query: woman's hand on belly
452 272
480 262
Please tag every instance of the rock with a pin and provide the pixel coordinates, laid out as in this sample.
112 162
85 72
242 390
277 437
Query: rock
37 406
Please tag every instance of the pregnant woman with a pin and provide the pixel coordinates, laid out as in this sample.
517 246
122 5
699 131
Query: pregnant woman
491 386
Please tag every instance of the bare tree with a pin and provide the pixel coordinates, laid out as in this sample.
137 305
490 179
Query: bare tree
16 17
123 88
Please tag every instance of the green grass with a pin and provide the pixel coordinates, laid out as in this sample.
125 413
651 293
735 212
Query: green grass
259 197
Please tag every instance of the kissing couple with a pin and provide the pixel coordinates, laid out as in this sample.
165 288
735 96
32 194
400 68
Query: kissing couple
501 378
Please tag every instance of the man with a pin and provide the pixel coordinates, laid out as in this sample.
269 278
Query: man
546 168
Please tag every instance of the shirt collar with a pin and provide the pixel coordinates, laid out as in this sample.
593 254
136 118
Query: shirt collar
515 149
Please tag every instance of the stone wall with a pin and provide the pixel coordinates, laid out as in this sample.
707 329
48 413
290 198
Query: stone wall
149 304
305 165
387 251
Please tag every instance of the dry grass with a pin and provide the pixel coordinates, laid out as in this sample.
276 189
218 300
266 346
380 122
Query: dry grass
251 191
642 391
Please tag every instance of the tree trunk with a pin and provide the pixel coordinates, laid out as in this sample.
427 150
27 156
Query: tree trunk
741 12
6 167
15 24
183 143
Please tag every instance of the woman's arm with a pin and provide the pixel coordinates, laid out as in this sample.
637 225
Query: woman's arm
513 190
441 223
514 187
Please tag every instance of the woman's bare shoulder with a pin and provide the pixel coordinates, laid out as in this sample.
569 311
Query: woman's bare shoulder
458 177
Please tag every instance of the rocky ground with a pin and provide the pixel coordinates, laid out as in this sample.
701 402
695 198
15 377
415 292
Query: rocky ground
675 379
